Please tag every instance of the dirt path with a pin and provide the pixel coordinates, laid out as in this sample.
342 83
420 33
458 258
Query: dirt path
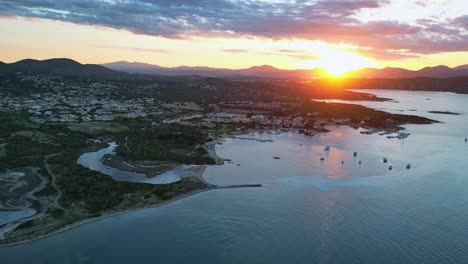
55 200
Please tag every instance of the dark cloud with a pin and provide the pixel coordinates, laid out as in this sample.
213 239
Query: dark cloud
327 20
462 21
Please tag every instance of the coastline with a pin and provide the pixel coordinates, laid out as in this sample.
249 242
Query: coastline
114 214
109 215
193 172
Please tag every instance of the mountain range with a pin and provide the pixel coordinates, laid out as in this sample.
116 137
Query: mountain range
255 71
272 72
120 69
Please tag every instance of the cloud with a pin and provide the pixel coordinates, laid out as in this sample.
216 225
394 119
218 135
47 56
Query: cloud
334 21
297 54
430 2
133 48
235 50
462 21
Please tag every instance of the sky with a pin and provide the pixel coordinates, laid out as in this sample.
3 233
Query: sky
334 34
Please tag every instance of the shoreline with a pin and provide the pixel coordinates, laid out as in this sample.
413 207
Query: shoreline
193 172
109 215
114 214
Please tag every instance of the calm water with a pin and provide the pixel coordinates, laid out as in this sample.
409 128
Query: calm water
93 161
308 211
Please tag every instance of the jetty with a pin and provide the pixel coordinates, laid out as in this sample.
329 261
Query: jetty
238 186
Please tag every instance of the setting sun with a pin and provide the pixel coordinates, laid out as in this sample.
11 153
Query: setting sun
337 63
336 60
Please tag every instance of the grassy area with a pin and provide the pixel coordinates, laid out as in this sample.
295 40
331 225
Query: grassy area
97 128
172 143
36 136
22 119
224 130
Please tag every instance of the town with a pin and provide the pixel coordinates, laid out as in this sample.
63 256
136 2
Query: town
58 99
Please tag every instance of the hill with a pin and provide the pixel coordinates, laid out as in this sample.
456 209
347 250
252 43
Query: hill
60 67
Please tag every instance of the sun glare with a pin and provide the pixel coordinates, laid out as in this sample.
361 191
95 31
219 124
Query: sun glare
334 61
337 63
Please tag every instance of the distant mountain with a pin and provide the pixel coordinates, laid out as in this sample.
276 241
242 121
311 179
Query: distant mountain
462 67
440 71
144 68
381 73
272 72
265 71
61 67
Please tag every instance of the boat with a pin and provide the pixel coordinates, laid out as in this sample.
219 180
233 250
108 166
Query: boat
355 154
408 166
360 162
342 162
322 159
385 160
327 148
390 168
276 158
466 139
